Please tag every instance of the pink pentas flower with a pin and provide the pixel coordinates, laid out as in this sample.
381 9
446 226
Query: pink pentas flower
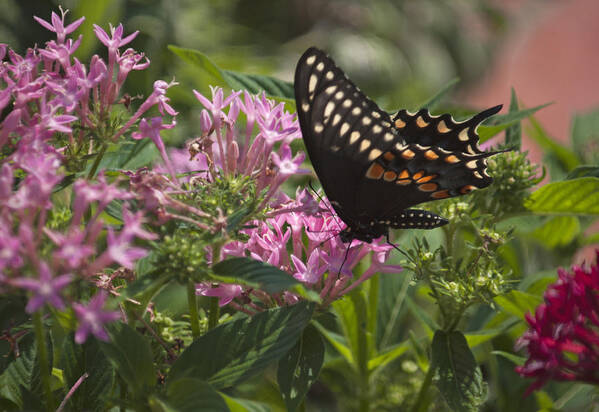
225 292
115 39
10 246
57 25
92 318
563 336
72 248
312 271
119 249
45 288
288 165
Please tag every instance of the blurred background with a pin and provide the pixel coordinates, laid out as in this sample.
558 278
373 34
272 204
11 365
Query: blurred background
399 51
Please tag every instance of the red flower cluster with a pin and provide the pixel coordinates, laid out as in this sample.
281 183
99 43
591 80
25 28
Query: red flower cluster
563 338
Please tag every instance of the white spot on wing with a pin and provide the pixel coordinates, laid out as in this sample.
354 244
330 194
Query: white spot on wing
377 129
356 111
463 136
364 144
330 75
388 137
328 109
320 66
374 153
366 120
310 60
312 83
353 137
344 129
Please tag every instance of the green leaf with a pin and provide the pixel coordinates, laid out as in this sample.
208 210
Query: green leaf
337 342
518 303
568 159
583 171
431 103
456 373
353 317
515 359
425 320
300 367
131 355
238 349
253 83
189 395
500 123
513 134
256 274
558 231
78 360
485 335
19 372
577 196
245 405
388 356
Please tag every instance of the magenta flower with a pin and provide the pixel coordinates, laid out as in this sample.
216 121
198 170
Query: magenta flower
225 292
92 318
563 336
115 39
45 288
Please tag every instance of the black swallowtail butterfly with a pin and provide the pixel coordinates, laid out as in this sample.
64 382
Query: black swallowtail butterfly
374 167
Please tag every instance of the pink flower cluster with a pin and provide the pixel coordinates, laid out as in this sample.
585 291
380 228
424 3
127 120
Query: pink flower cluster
563 336
52 98
329 263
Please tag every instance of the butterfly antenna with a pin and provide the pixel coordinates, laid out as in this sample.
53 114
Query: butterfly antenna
344 259
396 247
325 203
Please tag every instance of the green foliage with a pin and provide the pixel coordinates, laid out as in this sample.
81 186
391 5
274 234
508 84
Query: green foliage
299 369
456 373
251 344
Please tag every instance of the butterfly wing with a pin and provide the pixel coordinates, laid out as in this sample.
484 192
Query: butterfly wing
372 167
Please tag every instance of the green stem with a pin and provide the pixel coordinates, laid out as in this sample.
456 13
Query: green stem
42 357
421 401
213 313
214 309
194 318
97 160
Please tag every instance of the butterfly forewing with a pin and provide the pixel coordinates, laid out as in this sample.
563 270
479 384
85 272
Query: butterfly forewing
373 167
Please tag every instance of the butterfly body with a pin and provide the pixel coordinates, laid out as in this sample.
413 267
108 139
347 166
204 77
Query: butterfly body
373 167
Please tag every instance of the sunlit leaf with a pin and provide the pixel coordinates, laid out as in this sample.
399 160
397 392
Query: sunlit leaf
576 196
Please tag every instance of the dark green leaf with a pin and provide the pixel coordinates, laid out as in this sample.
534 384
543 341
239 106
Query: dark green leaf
131 355
255 274
431 103
518 303
300 368
251 82
583 171
513 134
189 395
456 373
78 360
515 359
238 349
558 231
576 196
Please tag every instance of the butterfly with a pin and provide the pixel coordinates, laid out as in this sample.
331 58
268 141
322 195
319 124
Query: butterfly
373 167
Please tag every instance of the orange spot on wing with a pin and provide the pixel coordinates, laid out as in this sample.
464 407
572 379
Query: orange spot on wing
375 171
418 175
441 194
428 187
452 159
403 182
389 176
431 155
408 154
388 156
404 174
426 179
467 189
400 124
